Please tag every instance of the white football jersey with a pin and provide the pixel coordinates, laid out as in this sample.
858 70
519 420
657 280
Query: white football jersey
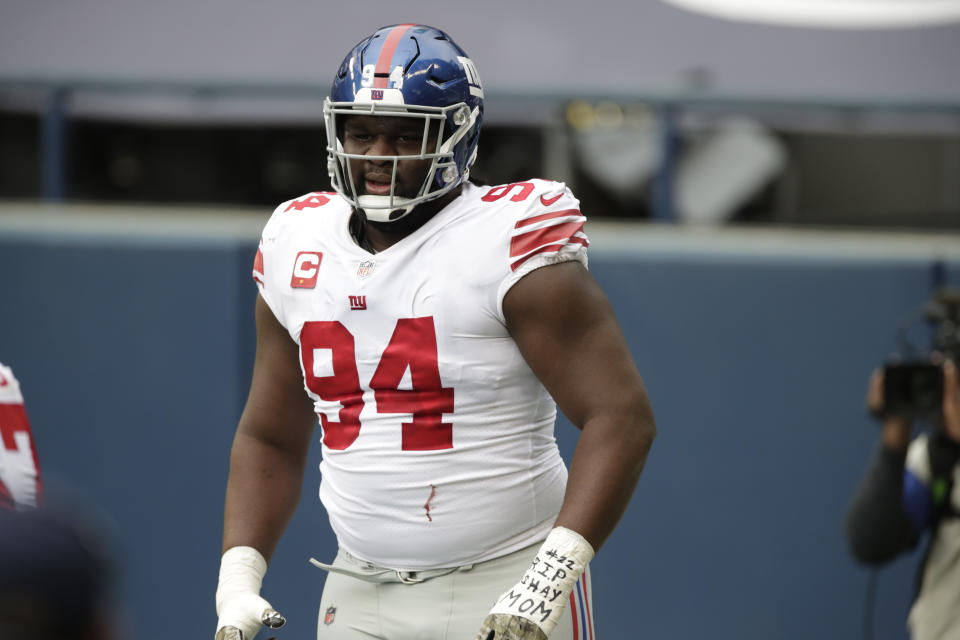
19 471
438 444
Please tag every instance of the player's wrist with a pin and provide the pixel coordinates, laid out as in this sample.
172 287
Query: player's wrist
241 610
572 543
241 571
544 589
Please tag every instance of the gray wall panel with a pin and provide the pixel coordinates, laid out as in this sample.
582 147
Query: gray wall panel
566 47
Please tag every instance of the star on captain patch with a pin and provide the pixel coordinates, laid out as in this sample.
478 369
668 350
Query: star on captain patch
330 615
365 268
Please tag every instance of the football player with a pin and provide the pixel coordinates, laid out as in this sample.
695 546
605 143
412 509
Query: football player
20 484
436 326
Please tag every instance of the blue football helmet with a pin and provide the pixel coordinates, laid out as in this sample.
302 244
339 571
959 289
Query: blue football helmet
413 71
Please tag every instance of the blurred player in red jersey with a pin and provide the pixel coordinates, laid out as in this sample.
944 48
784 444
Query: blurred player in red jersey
55 572
20 484
436 326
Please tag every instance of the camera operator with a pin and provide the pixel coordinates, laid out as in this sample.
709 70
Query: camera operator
909 490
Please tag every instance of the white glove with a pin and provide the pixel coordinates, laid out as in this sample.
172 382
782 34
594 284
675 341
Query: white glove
240 608
531 608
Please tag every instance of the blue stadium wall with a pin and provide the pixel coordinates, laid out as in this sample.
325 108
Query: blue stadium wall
135 352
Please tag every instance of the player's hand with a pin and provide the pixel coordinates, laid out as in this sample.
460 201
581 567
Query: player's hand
530 609
500 626
240 608
242 616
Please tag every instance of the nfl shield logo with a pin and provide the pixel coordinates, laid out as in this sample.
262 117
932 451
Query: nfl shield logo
330 615
365 268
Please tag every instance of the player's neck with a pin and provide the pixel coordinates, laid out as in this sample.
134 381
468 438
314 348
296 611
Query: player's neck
377 236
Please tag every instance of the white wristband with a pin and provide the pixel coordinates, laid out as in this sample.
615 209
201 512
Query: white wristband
542 593
240 608
241 571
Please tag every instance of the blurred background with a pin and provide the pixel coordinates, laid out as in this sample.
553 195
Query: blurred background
769 202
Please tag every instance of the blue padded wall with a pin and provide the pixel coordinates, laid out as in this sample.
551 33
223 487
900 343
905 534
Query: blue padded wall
135 358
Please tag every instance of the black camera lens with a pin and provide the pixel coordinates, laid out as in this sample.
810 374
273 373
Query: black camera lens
913 390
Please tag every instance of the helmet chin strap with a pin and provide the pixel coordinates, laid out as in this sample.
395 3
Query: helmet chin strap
379 208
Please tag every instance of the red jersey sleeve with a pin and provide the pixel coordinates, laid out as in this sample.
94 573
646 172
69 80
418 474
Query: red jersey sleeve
20 483
547 228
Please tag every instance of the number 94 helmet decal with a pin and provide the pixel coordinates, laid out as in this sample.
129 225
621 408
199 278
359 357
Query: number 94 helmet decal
410 71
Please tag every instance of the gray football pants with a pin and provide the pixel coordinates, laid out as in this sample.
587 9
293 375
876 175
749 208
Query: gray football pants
451 606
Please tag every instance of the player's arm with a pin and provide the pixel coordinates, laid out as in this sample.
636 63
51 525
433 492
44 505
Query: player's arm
566 330
270 447
266 473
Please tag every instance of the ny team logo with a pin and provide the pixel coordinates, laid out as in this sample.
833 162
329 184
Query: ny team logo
306 267
358 303
473 76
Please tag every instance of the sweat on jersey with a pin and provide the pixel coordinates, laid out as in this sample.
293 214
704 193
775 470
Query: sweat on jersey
438 444
20 484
